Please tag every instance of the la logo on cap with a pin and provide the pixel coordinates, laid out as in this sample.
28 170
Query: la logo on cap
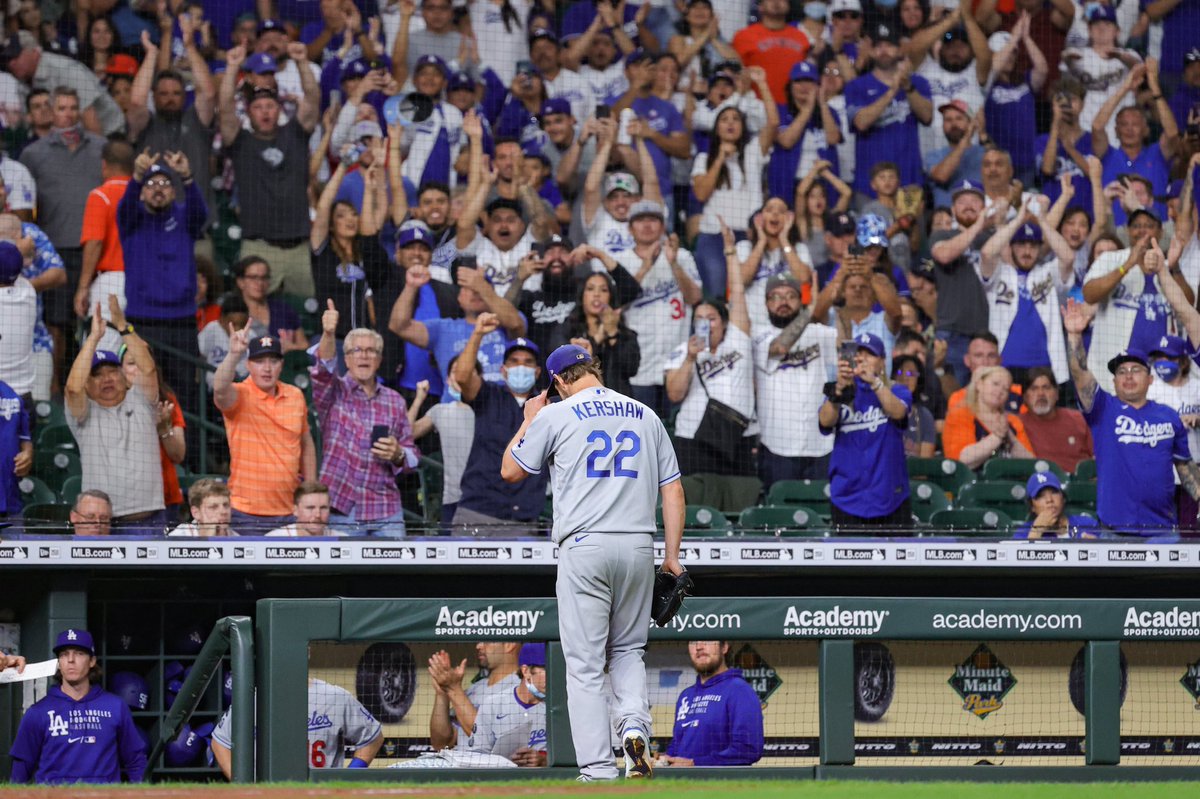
71 636
864 339
1041 478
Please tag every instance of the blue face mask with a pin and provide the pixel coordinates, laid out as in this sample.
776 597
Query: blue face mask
817 11
520 378
886 3
1166 370
453 393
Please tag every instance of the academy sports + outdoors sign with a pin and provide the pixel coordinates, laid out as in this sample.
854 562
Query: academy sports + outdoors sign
767 618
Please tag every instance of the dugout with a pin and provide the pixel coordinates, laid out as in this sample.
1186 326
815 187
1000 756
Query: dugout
159 593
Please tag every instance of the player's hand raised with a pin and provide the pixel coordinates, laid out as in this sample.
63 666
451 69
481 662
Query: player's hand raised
535 404
329 319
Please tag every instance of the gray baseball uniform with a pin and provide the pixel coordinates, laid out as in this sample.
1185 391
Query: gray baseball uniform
505 724
609 455
335 720
478 692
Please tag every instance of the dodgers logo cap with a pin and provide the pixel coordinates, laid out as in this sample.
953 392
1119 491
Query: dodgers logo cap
72 637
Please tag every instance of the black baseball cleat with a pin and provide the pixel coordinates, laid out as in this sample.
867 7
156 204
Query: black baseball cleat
637 760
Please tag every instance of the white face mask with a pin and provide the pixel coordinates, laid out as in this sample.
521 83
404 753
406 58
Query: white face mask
531 688
520 378
817 11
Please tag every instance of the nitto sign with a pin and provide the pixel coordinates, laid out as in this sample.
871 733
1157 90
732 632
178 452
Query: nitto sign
982 682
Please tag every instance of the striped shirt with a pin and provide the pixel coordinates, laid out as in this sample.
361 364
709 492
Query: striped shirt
265 434
358 481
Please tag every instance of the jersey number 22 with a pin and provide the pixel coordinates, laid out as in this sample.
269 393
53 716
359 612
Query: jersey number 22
628 445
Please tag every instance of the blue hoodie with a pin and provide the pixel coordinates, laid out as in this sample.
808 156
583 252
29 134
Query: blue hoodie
62 740
718 723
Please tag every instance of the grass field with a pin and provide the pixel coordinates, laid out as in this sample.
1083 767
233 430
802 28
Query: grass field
700 789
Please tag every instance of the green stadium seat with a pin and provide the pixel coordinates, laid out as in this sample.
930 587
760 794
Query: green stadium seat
702 518
1020 469
972 521
47 413
810 493
1081 493
1085 470
309 311
55 465
1005 496
727 493
56 436
35 491
779 519
49 513
949 474
926 498
70 489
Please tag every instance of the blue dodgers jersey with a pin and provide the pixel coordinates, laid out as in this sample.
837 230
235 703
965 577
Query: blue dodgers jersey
14 428
867 473
718 723
894 135
1136 450
61 740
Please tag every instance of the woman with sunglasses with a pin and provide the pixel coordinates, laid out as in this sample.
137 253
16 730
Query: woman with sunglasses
920 437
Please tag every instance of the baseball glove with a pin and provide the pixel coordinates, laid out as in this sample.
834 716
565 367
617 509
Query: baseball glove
669 592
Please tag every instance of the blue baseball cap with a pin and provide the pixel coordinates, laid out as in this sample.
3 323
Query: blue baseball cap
1170 346
430 60
104 358
1130 355
459 81
566 356
542 33
1027 232
555 105
418 234
871 230
1099 13
77 639
637 56
967 185
532 655
1174 190
802 70
265 347
871 343
1039 481
522 343
261 64
11 263
355 69
268 25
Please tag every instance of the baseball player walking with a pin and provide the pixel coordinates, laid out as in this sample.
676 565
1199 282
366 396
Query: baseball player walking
609 457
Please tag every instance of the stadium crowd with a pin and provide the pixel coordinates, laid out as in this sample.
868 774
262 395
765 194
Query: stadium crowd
826 240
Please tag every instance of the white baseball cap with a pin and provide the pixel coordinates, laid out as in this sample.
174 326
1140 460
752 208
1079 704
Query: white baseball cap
845 5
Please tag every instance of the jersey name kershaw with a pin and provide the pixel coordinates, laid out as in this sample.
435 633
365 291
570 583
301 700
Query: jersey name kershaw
592 409
489 617
1129 431
834 617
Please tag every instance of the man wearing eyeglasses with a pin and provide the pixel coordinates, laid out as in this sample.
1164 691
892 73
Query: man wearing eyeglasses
1137 440
360 464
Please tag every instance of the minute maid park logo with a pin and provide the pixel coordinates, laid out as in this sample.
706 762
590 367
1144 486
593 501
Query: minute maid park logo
982 682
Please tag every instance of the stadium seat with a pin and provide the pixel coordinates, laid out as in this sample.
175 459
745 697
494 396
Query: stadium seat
949 474
56 436
926 498
999 495
35 492
810 493
701 517
50 513
308 309
1085 470
780 519
968 521
1020 469
295 370
70 489
49 413
55 465
1081 494
727 493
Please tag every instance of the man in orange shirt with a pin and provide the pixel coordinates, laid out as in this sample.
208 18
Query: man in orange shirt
773 44
103 261
266 422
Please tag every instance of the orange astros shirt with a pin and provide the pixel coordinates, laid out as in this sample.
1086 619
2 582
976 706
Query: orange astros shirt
774 51
100 223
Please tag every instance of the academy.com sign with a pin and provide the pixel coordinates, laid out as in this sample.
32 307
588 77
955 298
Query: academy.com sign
486 622
832 621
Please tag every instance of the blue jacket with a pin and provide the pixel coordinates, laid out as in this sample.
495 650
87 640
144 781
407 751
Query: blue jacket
62 740
718 723
160 269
